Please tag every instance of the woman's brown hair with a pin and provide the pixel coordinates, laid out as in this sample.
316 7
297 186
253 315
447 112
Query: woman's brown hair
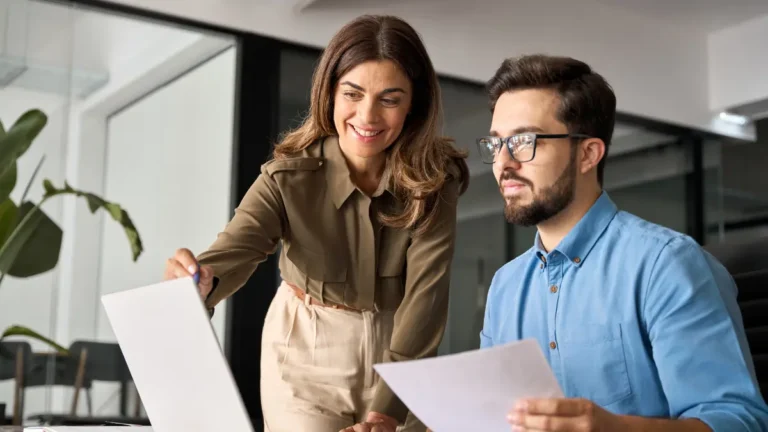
420 159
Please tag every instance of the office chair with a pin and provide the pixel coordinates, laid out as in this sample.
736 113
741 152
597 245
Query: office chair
747 262
14 361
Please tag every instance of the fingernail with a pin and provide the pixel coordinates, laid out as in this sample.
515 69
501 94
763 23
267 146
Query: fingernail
521 406
513 418
192 269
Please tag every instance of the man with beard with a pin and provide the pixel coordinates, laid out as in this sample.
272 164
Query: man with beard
639 324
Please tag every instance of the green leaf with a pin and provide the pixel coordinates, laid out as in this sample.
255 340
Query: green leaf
40 252
8 218
7 181
34 245
2 130
19 137
94 203
17 330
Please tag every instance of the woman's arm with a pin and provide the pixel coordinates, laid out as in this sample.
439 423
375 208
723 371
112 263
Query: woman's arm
420 320
248 239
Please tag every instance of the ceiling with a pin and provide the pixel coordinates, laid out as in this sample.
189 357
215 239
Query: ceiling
52 48
709 15
706 15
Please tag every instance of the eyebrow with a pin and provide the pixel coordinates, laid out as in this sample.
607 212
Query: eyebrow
385 91
521 129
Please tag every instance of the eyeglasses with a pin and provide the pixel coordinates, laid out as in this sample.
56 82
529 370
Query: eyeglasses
521 147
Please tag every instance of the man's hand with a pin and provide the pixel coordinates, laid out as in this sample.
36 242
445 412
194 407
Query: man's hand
577 415
375 422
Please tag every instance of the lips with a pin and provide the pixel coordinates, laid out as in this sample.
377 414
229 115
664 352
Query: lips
366 133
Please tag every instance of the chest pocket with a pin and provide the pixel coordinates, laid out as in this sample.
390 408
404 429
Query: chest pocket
594 355
322 275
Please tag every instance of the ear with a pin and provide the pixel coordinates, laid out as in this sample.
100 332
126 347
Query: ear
592 152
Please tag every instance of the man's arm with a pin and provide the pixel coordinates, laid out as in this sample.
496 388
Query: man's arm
698 342
643 424
563 415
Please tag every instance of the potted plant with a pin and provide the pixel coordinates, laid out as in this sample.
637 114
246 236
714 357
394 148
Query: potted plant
30 241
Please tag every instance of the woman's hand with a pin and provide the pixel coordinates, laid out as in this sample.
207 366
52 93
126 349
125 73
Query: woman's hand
184 264
374 423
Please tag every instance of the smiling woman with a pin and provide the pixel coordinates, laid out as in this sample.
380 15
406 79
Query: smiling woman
363 198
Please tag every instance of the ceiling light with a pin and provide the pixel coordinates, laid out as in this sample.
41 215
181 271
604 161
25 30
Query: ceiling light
734 118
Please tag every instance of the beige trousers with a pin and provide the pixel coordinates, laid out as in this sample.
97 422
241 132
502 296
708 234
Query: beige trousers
317 365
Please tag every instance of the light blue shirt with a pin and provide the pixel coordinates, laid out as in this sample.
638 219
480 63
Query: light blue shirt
635 317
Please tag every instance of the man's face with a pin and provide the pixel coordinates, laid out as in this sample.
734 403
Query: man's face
539 189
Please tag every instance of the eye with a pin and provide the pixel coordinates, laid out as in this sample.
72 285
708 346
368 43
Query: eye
352 95
390 102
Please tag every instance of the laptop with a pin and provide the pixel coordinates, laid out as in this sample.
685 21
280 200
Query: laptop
177 365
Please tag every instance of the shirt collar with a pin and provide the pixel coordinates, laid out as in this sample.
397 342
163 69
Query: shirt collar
583 237
338 175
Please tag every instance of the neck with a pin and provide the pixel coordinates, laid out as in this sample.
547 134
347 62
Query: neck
553 230
366 172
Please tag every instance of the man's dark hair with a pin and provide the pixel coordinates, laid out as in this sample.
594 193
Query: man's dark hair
588 104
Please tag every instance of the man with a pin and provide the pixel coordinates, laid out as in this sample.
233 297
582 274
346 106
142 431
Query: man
639 324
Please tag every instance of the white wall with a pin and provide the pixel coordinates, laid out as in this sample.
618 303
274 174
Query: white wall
169 162
657 67
738 64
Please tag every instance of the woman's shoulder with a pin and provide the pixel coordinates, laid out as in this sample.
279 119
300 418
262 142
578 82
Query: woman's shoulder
457 173
306 159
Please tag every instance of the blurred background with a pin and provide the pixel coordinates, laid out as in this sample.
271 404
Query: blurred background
168 108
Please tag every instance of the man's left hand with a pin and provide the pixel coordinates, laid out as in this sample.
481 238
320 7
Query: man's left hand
577 415
375 422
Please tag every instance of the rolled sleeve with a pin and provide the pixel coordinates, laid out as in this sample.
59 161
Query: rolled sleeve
420 319
696 332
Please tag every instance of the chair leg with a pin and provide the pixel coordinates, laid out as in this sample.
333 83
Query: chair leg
90 402
18 389
79 380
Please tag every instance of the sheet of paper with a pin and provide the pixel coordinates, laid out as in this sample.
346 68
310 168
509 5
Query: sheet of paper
471 391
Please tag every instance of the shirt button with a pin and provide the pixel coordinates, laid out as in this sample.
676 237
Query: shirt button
541 266
553 288
552 345
577 260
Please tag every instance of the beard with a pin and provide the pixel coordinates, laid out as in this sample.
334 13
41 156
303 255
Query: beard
546 203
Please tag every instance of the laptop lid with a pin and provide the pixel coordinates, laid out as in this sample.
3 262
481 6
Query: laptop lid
175 359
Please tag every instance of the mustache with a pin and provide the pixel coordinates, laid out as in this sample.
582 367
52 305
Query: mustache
510 175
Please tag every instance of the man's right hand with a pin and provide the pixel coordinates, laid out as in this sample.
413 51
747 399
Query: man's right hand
184 264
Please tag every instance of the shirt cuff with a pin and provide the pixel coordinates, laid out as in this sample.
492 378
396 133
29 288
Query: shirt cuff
385 402
721 419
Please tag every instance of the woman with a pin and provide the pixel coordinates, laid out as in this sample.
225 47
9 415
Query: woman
362 197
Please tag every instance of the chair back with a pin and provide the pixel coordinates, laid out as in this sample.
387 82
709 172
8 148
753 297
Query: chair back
747 262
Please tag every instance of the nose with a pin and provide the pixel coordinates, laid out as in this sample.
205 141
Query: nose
504 161
367 111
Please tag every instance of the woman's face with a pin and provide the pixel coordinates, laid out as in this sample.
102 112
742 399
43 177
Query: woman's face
371 103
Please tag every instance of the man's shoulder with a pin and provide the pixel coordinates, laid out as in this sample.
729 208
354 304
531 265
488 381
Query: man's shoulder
639 234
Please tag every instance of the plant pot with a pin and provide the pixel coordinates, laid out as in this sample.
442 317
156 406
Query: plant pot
2 413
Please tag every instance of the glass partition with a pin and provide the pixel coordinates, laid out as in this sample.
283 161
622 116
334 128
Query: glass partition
141 114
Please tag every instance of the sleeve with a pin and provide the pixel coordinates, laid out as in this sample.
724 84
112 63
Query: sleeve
248 239
421 318
698 341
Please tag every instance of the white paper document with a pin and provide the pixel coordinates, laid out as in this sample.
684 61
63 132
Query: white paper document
471 391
